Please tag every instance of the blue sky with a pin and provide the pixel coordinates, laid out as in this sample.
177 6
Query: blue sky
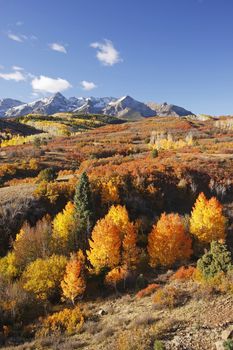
178 51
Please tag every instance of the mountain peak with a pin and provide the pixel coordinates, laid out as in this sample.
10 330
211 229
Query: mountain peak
124 107
7 103
57 96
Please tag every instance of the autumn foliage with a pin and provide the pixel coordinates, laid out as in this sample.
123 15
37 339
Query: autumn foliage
128 234
42 277
207 221
74 284
105 245
184 273
168 242
115 276
64 229
151 288
66 321
113 241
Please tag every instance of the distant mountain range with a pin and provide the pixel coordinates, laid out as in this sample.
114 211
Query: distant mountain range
125 107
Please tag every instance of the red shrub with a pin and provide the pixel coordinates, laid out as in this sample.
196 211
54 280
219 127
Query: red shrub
147 291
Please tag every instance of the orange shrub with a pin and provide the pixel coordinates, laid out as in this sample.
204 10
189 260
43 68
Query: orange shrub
184 273
151 288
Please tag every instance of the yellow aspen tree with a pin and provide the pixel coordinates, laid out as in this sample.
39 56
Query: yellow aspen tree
64 230
207 221
109 192
74 284
168 241
119 216
43 277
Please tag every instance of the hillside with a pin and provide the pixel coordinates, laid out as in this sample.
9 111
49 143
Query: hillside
127 175
11 128
65 123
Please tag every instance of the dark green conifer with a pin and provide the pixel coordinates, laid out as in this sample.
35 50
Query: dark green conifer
217 259
84 211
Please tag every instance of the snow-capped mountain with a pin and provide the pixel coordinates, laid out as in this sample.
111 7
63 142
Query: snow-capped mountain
125 107
7 103
59 103
93 105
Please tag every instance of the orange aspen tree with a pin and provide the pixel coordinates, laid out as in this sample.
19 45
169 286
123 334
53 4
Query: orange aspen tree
114 241
115 276
74 284
168 241
105 245
207 221
130 253
119 216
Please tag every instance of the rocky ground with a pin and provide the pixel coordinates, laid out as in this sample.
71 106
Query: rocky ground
203 321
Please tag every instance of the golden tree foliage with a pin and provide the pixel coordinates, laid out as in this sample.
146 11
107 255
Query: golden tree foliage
130 253
33 164
168 241
67 321
207 221
105 245
109 192
115 276
8 268
74 284
54 190
119 216
64 229
43 276
113 241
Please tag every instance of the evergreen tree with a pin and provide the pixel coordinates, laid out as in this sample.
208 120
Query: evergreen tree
216 260
84 211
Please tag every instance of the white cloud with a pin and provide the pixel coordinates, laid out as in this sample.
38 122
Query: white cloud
106 53
17 68
88 85
57 47
16 76
15 37
21 37
46 84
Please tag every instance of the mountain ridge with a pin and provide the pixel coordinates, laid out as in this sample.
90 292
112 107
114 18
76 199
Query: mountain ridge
124 107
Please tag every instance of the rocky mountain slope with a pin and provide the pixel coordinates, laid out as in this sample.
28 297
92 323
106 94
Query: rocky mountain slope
125 107
166 109
8 103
